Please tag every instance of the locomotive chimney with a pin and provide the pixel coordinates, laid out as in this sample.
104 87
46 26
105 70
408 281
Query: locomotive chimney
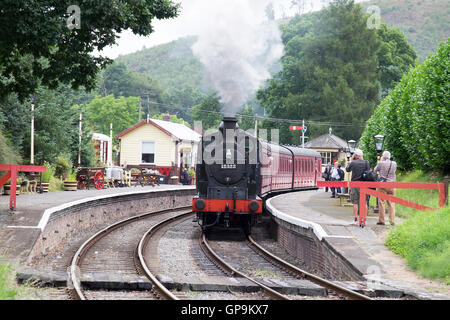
229 123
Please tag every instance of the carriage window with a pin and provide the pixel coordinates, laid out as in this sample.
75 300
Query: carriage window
148 152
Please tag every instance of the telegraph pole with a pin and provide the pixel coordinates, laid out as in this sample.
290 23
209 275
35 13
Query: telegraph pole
80 133
140 109
33 99
303 134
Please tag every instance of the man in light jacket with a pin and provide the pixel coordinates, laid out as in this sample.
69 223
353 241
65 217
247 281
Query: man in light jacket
386 170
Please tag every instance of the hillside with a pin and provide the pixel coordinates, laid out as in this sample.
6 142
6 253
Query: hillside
172 64
425 23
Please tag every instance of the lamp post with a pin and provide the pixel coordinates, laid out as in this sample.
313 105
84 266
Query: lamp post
378 140
33 100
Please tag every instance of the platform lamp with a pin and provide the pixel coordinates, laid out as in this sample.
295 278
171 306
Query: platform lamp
379 144
351 146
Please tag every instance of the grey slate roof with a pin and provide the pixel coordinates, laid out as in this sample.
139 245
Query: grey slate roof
326 141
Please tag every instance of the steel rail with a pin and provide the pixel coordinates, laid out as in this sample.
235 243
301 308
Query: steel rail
209 251
141 248
316 279
78 256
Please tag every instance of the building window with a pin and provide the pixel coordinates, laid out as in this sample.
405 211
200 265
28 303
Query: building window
148 152
329 157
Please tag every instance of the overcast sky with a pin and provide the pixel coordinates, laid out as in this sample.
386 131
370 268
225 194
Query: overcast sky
188 23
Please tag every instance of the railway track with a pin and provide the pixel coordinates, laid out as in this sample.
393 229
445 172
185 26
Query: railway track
137 255
297 272
227 268
95 246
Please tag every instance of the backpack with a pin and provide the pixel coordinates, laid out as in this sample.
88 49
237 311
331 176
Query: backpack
369 175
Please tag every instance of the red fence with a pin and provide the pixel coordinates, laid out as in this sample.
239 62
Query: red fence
11 173
364 190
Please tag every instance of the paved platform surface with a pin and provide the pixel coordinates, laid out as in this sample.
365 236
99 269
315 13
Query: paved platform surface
363 247
18 230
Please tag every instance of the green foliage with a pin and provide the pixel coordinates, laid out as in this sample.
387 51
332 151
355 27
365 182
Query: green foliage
48 174
424 241
8 154
62 166
208 112
7 290
72 177
122 113
330 71
37 45
120 82
56 184
395 57
415 117
172 64
247 120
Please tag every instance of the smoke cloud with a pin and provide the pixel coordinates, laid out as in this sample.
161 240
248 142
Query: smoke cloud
237 45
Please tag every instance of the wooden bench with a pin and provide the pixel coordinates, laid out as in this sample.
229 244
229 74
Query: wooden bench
344 199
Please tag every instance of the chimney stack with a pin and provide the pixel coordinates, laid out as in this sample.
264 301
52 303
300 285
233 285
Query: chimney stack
166 117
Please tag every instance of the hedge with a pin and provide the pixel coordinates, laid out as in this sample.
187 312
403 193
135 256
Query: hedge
415 117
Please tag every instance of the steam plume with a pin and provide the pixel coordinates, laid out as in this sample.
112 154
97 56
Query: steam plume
237 45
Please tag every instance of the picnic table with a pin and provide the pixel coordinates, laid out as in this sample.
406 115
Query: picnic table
146 177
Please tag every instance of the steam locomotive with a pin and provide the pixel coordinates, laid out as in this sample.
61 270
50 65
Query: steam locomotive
236 172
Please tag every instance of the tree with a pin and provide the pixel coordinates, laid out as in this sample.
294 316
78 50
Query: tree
42 33
122 113
8 155
329 72
395 56
247 118
116 79
208 112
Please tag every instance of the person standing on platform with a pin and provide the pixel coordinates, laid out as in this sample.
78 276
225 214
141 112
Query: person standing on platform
327 174
357 167
387 169
335 176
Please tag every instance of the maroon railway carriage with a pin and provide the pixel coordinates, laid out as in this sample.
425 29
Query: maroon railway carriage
231 188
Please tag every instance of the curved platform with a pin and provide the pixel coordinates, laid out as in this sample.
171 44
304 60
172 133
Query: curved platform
22 231
359 252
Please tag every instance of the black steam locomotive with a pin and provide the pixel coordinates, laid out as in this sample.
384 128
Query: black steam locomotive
236 172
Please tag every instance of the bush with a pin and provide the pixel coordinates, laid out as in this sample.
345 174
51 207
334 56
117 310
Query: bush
415 117
424 241
48 174
62 166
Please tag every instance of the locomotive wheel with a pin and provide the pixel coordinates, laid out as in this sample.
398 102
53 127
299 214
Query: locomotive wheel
246 224
99 180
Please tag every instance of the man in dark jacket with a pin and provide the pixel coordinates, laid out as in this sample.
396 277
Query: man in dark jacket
357 167
185 178
326 174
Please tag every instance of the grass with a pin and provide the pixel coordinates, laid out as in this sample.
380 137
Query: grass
423 239
7 288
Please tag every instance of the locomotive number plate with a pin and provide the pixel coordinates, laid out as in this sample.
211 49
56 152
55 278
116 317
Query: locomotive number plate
228 166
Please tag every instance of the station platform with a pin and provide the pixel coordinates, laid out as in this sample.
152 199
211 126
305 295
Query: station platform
364 248
20 228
